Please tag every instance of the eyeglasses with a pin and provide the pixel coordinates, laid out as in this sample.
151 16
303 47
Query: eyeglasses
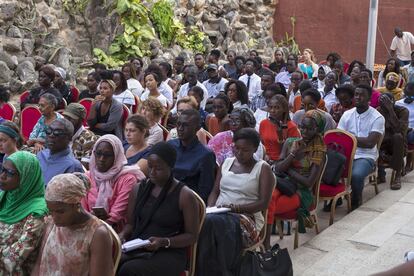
56 132
9 173
103 154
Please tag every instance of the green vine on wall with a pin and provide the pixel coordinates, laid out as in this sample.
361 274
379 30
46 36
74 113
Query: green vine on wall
140 26
289 40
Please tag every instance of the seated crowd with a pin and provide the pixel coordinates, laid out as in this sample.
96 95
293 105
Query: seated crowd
157 144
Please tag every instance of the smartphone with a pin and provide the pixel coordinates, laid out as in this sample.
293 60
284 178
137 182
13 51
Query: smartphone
99 210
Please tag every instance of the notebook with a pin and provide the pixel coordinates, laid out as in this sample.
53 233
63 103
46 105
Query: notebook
217 210
134 244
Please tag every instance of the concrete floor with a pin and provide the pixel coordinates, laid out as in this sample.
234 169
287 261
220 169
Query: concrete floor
370 239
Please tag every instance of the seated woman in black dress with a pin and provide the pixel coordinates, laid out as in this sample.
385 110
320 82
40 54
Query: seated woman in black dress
92 83
106 113
136 147
164 211
46 77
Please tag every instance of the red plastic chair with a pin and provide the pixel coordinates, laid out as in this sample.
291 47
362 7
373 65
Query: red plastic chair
7 111
28 119
125 115
74 94
87 103
24 96
292 216
348 143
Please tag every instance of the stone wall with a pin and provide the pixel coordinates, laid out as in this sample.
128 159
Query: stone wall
36 32
239 25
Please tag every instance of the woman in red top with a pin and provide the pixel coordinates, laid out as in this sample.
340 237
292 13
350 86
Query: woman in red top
219 121
274 131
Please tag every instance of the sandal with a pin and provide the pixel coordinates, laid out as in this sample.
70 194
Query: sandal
396 185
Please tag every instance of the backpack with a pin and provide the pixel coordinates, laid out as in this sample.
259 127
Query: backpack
335 166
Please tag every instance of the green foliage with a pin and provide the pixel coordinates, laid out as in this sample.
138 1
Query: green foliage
75 6
138 32
192 38
109 61
289 41
162 17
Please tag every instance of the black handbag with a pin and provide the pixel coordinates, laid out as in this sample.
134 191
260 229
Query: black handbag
275 262
335 166
285 185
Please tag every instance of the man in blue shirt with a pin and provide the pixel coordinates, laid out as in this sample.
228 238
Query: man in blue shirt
57 158
196 164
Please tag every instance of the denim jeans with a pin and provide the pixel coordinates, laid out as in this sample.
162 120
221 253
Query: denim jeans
410 137
361 168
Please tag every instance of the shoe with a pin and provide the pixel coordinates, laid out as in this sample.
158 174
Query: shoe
396 185
381 179
327 207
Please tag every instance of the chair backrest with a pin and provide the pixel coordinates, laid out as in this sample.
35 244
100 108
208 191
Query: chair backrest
24 95
317 186
136 106
193 248
7 111
116 246
348 144
74 94
28 119
125 115
87 103
209 136
165 131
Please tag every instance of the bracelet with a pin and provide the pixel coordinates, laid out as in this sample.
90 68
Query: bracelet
168 243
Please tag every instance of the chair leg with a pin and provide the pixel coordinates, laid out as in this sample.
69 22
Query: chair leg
315 218
280 228
296 241
392 177
348 202
375 183
333 207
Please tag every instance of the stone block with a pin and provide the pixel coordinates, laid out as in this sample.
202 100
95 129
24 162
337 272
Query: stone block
14 31
28 46
5 73
12 44
10 60
26 72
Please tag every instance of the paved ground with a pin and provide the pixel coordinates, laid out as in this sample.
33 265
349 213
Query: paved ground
370 239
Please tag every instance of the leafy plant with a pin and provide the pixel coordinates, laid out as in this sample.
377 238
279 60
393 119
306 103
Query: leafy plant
162 17
105 59
75 6
192 38
138 32
289 40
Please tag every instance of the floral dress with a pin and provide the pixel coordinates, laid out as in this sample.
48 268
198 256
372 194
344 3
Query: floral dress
66 251
39 130
19 243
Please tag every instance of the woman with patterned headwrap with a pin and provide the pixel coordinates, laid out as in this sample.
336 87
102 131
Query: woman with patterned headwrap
302 161
222 142
391 85
74 242
22 211
106 112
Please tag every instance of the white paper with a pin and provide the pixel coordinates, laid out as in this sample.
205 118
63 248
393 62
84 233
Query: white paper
134 244
217 210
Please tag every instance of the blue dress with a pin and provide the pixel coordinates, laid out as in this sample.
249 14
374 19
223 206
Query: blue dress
136 157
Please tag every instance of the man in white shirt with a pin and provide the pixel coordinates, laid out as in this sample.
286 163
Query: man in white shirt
214 84
368 126
284 77
328 91
410 68
250 79
190 74
408 102
401 45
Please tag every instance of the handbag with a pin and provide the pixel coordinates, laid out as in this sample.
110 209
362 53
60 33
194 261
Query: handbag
275 262
335 166
285 185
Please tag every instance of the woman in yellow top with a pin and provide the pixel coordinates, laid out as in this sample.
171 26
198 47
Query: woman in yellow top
391 85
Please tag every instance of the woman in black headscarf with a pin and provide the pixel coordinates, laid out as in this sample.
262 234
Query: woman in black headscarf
163 211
